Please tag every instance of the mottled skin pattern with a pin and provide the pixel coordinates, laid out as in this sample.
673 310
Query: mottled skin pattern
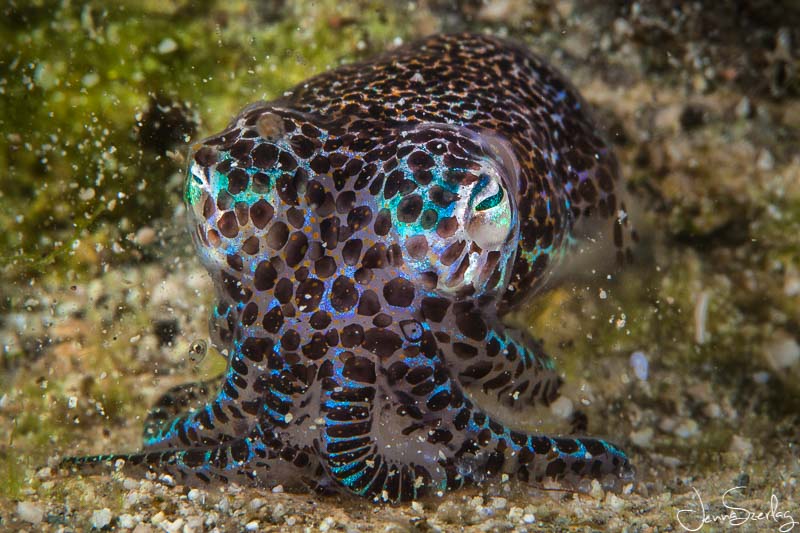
366 234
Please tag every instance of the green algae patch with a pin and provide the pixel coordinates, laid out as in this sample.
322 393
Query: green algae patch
100 102
12 472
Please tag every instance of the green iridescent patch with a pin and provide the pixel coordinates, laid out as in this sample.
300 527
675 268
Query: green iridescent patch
192 191
491 201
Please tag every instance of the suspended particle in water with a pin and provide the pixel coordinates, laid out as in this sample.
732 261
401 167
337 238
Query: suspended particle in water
198 350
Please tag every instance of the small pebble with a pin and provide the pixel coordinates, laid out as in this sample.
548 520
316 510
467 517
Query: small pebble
765 161
30 512
166 479
251 526
667 424
175 526
327 524
126 521
89 80
712 410
615 502
562 408
498 503
167 46
791 287
498 11
700 317
145 236
761 377
640 365
449 513
101 518
223 505
257 503
158 518
515 514
642 438
194 523
687 428
596 490
744 109
87 194
782 351
278 511
622 28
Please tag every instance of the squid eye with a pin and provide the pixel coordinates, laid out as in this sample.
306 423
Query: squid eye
491 201
490 221
487 194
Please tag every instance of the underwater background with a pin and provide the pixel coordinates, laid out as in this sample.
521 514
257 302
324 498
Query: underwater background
690 359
